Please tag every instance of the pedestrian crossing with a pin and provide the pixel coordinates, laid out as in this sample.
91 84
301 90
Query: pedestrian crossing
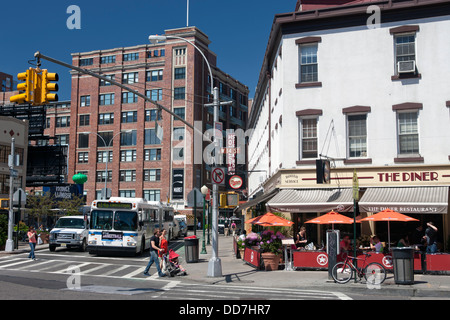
57 266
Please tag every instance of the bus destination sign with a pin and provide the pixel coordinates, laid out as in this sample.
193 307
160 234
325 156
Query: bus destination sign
114 205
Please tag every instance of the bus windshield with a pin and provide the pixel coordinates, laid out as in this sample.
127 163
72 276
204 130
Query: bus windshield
101 219
125 220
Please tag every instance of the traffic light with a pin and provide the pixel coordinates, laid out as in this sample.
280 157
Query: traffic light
46 87
228 200
27 87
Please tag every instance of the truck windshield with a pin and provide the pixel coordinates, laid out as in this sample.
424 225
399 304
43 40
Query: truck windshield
101 219
125 220
70 223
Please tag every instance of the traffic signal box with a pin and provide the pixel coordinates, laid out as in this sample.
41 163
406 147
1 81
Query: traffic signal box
37 88
228 200
26 88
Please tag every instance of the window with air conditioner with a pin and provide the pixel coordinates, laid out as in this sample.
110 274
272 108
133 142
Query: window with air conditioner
405 54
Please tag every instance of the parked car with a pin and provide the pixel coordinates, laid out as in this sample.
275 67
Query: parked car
70 231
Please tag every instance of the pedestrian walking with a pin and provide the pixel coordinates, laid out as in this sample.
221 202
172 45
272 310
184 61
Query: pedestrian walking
32 239
154 250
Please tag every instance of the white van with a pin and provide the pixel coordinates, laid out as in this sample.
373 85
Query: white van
70 231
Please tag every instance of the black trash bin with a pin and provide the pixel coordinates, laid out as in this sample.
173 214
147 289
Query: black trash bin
191 249
403 259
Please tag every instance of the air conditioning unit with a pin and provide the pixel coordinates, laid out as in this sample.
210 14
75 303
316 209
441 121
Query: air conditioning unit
406 66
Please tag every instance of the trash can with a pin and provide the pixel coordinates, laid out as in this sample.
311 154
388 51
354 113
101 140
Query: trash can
191 249
403 259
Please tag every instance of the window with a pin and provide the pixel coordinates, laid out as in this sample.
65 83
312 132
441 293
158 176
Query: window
83 140
408 134
127 193
155 94
154 75
178 134
180 73
357 136
104 156
127 175
150 137
108 59
84 119
308 138
131 56
405 49
86 62
179 112
129 116
107 139
308 63
62 139
178 154
85 101
104 83
83 157
152 154
106 99
152 174
132 77
152 115
152 195
63 122
101 176
128 156
128 138
106 118
179 93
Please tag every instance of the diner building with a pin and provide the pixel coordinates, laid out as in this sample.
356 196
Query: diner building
362 84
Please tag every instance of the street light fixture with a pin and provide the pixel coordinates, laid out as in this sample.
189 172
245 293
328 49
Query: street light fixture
214 264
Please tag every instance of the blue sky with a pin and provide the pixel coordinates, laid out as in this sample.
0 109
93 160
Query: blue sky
238 29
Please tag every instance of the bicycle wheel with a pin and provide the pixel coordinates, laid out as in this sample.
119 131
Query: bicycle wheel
342 273
375 273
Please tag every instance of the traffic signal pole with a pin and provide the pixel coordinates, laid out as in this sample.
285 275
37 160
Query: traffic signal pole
9 247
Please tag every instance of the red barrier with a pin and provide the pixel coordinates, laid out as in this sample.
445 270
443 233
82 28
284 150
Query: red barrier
252 257
310 259
438 261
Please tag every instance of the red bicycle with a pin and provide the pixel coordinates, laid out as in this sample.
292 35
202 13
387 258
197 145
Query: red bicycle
374 273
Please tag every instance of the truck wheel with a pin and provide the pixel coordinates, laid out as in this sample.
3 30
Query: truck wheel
83 246
52 248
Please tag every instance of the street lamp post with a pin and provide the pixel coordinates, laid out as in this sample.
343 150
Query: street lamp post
214 264
204 191
104 195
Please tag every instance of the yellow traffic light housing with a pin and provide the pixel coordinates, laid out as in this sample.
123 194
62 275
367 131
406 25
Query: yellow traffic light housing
228 200
46 87
27 87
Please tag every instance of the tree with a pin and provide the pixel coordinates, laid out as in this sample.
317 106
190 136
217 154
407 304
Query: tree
39 205
71 207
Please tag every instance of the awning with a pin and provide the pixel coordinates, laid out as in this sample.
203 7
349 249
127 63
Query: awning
257 200
405 199
312 200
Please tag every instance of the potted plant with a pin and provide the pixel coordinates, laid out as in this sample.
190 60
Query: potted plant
271 247
252 240
241 247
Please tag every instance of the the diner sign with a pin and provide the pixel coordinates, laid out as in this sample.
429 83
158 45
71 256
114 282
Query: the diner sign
408 176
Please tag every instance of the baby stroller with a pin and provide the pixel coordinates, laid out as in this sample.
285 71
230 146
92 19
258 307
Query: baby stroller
171 266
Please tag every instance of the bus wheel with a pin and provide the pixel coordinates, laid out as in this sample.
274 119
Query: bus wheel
141 252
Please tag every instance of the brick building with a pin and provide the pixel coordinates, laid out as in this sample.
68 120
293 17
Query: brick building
174 75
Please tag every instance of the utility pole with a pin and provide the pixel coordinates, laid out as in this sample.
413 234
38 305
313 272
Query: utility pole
9 247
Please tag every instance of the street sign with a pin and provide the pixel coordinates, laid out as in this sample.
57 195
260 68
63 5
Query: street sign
236 182
23 196
218 175
198 198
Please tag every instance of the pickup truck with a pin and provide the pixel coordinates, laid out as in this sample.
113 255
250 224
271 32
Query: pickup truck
70 231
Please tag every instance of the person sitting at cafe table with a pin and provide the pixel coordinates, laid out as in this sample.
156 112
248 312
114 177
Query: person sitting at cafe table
345 244
403 242
375 244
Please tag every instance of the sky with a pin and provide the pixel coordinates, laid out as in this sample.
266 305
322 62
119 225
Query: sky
238 31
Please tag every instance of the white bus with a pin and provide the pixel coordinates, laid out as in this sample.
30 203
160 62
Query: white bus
124 224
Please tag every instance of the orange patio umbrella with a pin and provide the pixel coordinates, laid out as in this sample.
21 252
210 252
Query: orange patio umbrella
270 220
331 217
389 215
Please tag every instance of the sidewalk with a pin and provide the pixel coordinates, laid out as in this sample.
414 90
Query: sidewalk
236 272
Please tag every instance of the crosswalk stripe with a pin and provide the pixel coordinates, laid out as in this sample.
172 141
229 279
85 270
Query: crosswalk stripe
16 263
135 272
